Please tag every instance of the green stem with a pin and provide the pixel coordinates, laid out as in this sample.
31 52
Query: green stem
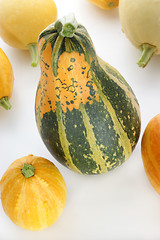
34 54
4 102
111 4
66 26
28 170
147 51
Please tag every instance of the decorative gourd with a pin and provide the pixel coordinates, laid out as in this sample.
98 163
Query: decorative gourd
150 150
87 114
140 23
6 80
33 193
21 22
105 4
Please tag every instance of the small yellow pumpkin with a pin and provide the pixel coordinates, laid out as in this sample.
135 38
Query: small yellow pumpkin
33 192
6 80
106 4
21 22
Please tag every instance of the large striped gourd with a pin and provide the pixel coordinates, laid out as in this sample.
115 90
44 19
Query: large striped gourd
87 114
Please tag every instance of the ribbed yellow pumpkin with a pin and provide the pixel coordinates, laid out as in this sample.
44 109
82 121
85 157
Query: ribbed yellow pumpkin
33 192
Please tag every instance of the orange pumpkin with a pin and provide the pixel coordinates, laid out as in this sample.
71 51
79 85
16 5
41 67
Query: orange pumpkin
33 192
150 150
106 4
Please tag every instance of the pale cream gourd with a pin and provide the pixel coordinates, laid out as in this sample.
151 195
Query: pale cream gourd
140 21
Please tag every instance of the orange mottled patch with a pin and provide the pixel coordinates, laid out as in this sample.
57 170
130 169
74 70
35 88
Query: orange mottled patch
46 95
73 84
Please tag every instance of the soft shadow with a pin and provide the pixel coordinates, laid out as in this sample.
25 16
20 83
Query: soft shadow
20 56
105 13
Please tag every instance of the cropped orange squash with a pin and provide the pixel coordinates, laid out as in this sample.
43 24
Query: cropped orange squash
6 80
150 149
105 4
33 192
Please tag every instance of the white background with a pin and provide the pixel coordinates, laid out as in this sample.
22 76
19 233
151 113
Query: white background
119 205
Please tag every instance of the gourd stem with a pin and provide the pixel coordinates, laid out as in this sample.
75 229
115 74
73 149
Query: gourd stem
66 26
147 52
111 4
28 170
4 102
34 54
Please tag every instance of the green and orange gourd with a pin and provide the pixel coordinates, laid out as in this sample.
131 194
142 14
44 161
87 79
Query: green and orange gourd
86 113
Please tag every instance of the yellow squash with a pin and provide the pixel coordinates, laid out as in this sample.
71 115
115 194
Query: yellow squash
21 22
33 192
6 80
105 4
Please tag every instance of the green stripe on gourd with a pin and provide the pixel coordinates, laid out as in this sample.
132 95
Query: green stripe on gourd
63 138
